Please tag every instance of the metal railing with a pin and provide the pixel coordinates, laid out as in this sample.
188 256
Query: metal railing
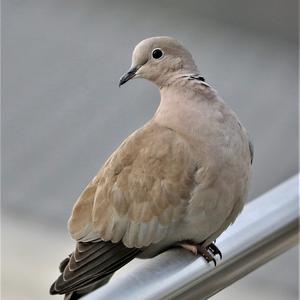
267 227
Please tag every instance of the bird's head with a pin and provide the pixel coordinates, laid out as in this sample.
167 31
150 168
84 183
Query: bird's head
159 59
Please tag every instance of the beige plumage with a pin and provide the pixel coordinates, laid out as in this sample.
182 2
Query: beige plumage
181 179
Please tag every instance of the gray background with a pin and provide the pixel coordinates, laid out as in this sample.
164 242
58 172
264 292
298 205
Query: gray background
63 113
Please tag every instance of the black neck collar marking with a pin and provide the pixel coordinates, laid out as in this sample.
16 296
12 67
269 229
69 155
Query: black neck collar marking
197 77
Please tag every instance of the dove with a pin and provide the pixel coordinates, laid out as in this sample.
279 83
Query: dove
178 181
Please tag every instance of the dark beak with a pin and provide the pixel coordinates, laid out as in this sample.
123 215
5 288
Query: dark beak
128 75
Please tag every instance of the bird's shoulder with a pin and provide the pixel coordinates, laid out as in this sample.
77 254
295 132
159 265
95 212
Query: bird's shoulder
153 146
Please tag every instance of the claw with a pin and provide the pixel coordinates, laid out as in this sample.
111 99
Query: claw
206 255
214 250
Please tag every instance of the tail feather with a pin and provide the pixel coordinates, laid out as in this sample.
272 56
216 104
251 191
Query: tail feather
91 265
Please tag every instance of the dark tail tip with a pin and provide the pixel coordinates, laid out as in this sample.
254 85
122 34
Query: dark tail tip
52 290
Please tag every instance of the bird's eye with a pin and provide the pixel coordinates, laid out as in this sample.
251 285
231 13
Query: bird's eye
157 53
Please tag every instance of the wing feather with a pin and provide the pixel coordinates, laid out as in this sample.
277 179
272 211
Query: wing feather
142 190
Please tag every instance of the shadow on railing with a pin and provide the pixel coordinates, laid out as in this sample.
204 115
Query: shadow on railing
267 227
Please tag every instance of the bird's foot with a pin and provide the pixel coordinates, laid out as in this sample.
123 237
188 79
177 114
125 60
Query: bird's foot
214 250
207 252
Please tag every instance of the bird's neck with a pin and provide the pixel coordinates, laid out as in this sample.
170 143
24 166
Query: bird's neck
185 105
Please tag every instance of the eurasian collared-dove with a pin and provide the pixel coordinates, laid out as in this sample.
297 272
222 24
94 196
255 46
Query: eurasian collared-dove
179 180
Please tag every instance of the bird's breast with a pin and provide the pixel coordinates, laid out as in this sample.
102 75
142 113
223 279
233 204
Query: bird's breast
220 148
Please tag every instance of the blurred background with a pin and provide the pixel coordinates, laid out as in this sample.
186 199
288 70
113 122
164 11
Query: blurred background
63 113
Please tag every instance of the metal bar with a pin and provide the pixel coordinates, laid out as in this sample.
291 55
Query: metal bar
267 227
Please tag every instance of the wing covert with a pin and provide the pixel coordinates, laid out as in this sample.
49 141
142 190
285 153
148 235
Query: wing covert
141 191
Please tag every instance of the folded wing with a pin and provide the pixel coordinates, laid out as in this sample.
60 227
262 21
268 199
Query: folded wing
142 190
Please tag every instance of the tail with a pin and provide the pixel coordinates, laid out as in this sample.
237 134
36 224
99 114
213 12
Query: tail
90 266
80 293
